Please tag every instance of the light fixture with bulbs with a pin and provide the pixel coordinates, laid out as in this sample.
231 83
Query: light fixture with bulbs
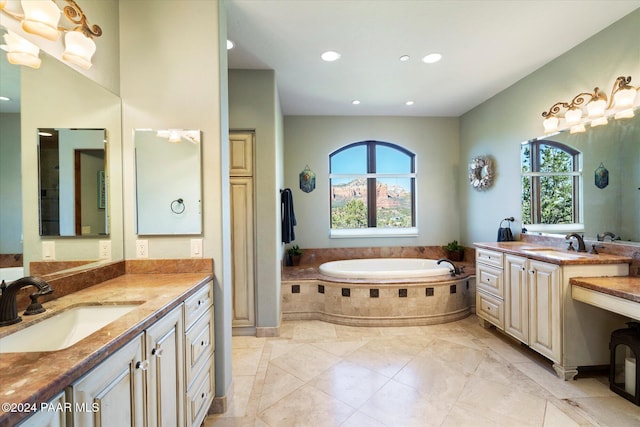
620 104
41 18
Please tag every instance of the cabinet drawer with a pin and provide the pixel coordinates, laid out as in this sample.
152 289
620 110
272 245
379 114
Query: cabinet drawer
489 257
490 280
200 396
197 304
199 344
490 309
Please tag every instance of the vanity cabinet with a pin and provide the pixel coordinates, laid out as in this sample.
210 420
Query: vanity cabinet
199 356
545 297
50 414
489 288
113 392
532 304
164 344
163 377
531 301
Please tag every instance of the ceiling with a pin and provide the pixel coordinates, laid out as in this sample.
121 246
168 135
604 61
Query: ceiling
486 45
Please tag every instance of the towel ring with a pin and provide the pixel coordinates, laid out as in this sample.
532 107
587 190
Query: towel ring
509 221
177 206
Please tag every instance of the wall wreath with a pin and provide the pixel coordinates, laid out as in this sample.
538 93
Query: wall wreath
481 173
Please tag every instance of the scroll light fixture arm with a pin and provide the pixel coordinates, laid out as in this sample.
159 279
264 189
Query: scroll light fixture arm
622 97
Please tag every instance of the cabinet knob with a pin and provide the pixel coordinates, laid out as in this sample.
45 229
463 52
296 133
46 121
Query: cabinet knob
142 365
203 343
199 302
156 352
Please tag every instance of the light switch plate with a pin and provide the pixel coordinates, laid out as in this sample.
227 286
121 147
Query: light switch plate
142 249
196 248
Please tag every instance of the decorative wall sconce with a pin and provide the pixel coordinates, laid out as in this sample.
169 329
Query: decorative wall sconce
621 102
41 18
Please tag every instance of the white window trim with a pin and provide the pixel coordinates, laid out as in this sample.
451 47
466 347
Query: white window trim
345 233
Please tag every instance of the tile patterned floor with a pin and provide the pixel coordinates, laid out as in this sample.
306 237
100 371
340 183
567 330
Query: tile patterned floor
455 374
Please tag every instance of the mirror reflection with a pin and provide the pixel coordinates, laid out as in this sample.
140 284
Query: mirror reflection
168 181
72 184
586 182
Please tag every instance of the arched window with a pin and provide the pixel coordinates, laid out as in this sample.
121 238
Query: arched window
372 186
551 183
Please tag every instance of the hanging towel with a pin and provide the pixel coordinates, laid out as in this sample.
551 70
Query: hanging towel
288 216
504 233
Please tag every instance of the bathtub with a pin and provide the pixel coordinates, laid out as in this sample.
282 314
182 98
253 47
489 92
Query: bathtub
384 268
379 292
10 274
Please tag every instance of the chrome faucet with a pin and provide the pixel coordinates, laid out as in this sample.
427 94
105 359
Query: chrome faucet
603 236
580 240
456 270
8 305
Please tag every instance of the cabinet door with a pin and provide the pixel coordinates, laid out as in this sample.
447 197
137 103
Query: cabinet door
241 154
165 384
545 296
51 415
242 251
516 298
112 394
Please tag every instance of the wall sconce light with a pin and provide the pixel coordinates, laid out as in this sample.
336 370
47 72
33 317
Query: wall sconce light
621 103
21 51
41 18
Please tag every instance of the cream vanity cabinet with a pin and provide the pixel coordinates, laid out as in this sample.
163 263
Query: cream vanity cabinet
532 304
530 300
199 356
116 386
50 414
489 288
162 377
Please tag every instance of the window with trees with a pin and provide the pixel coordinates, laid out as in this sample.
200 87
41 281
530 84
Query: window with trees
551 183
372 186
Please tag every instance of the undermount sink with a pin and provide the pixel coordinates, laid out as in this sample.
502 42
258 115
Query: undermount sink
63 330
556 253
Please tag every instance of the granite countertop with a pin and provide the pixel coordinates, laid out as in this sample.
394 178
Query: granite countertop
36 377
622 287
553 254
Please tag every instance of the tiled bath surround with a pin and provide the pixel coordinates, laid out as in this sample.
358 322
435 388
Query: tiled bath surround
308 295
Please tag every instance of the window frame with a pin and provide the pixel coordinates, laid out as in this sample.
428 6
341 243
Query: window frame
535 176
372 178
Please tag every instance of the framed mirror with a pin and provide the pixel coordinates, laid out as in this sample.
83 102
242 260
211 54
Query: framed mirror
72 182
584 182
168 181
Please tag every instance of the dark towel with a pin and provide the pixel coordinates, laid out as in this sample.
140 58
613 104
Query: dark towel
505 234
288 216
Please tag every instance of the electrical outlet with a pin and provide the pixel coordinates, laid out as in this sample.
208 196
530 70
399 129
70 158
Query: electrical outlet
104 249
142 249
196 248
48 250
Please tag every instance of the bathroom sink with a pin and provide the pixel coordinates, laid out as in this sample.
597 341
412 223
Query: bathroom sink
557 254
63 330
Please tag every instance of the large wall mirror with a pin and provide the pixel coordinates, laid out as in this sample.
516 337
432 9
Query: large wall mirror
72 182
168 181
57 97
596 182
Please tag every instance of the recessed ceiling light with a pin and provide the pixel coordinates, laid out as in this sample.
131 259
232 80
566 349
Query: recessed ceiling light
431 58
404 58
409 103
330 56
355 102
230 45
4 98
